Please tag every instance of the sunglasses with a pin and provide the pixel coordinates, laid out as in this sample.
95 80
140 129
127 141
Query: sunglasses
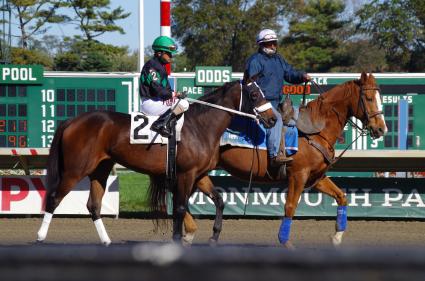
270 43
172 48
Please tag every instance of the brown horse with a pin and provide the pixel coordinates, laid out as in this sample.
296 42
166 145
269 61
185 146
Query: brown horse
90 144
358 98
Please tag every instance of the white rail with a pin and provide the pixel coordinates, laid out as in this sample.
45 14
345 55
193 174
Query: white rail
351 161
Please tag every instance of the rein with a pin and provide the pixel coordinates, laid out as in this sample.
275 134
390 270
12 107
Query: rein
362 131
222 108
257 110
305 88
250 179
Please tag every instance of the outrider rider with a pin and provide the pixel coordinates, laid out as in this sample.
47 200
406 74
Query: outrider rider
270 71
155 91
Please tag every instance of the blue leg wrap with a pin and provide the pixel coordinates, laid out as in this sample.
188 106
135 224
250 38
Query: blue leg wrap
341 218
285 230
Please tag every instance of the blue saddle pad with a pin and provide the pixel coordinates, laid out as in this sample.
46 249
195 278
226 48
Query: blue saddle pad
291 140
245 132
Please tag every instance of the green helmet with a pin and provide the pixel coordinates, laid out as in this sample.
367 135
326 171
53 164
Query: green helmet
164 43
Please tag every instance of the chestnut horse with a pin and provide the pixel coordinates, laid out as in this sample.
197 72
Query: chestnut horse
90 144
358 98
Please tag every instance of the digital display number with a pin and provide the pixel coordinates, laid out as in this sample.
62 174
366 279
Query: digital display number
13 126
13 141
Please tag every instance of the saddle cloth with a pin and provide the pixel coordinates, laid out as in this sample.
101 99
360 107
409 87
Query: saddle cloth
140 132
244 132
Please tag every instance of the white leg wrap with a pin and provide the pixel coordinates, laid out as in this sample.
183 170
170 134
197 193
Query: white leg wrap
337 238
104 238
42 232
188 238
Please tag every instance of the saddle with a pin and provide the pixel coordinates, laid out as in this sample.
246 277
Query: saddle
302 117
140 132
308 124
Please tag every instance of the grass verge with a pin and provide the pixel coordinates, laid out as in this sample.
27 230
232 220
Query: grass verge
133 188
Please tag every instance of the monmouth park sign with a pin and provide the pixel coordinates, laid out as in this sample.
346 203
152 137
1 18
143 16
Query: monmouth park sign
380 197
25 195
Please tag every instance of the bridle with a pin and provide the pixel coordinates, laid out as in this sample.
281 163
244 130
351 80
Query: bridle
362 103
367 116
258 109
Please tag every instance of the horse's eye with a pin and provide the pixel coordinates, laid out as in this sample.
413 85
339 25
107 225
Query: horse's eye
254 96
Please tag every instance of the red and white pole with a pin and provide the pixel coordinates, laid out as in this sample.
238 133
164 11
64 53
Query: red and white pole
166 23
141 37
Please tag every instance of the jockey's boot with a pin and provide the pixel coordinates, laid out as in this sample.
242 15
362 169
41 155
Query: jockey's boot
162 125
281 158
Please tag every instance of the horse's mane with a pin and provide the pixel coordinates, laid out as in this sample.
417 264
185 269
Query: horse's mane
322 104
211 97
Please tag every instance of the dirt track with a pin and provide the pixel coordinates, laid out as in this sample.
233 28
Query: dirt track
305 233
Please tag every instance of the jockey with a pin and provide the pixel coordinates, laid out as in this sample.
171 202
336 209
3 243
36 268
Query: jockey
270 71
155 91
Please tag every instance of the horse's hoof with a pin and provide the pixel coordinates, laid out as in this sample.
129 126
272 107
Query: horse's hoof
337 239
106 243
188 238
186 243
212 242
288 245
38 242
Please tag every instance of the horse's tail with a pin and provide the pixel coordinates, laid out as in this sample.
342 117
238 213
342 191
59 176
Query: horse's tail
157 197
55 160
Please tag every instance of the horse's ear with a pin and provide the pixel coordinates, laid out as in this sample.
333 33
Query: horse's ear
247 79
363 77
288 99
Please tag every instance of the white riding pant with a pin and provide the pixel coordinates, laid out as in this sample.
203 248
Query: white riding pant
157 107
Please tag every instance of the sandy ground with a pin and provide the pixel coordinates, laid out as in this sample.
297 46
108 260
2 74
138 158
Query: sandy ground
307 234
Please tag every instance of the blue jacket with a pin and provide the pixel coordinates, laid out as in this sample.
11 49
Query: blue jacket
273 71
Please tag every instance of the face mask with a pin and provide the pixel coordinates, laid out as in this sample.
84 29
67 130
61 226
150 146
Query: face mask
268 51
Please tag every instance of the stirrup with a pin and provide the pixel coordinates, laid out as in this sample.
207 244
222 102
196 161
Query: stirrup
163 131
279 161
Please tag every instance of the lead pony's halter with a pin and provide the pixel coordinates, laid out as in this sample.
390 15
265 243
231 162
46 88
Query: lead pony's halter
257 110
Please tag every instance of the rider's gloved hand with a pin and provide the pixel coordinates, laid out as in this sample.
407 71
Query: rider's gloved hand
181 95
306 77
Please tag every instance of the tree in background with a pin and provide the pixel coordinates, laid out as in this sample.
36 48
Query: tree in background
383 35
94 18
24 56
33 16
85 55
313 43
222 32
397 27
361 56
417 59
